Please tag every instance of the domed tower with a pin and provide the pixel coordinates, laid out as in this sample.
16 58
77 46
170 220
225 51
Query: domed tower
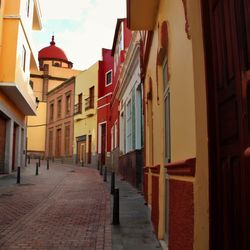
54 54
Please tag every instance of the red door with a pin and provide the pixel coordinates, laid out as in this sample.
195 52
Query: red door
103 144
226 37
2 143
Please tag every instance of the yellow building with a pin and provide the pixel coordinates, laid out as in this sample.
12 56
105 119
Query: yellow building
176 152
196 64
85 119
18 18
55 68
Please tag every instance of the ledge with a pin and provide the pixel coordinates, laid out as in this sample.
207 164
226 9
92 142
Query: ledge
184 168
155 169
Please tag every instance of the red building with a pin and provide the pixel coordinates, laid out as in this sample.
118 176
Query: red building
105 90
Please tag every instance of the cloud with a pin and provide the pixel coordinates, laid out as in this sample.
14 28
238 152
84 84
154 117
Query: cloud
82 27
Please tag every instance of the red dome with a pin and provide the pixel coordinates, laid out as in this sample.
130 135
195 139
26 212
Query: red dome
52 52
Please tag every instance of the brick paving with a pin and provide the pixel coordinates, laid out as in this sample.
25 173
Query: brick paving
66 207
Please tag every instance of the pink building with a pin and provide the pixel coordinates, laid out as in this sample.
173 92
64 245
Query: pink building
60 124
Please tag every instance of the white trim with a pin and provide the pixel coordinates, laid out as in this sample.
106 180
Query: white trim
104 105
110 93
106 85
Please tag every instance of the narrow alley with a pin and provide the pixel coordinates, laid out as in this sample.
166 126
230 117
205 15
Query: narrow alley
65 207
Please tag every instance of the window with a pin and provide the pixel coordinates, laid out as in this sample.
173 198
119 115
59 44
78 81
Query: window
51 111
31 84
89 102
112 138
68 103
167 142
92 96
59 108
23 58
116 134
108 79
129 126
67 140
80 103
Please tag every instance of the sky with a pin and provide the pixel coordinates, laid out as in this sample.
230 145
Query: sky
81 27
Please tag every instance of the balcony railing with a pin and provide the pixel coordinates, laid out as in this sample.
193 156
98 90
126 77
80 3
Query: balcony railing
77 108
89 103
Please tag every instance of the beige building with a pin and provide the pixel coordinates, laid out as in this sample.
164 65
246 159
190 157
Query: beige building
55 68
85 116
18 18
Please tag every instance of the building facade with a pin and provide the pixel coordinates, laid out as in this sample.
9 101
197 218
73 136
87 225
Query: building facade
121 42
18 19
105 91
85 116
54 69
60 121
195 76
130 94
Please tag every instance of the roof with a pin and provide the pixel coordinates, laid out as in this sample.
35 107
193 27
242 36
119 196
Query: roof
52 52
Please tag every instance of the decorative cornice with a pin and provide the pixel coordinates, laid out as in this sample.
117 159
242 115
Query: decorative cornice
184 168
155 169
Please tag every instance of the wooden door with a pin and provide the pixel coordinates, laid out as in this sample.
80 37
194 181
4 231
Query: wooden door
2 143
225 37
89 149
103 143
83 151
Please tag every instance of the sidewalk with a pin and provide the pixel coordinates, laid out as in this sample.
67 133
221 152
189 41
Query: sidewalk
135 231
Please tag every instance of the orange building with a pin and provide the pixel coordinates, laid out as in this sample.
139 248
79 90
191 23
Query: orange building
17 58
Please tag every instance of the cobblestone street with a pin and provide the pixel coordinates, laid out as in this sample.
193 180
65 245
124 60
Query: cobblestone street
65 207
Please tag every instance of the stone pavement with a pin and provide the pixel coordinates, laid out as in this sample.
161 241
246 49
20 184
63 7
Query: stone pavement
66 207
69 207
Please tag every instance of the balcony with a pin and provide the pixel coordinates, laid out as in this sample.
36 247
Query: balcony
89 106
89 103
78 108
148 11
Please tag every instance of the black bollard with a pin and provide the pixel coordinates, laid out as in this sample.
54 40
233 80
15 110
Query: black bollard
101 169
37 165
116 220
112 183
18 177
47 163
39 162
105 174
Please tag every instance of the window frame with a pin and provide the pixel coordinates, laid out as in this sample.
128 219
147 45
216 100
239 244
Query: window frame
106 78
166 104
